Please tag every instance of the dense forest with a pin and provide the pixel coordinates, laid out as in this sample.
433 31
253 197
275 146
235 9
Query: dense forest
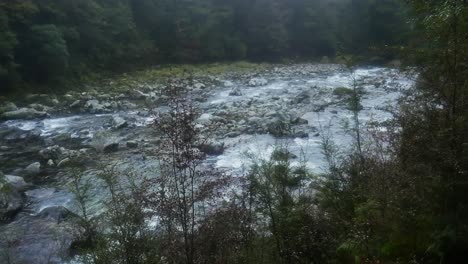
394 190
48 42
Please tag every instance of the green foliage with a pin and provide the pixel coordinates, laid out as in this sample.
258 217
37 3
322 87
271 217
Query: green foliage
49 50
42 42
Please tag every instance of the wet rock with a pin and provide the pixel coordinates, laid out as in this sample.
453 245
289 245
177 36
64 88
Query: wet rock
299 121
33 169
235 92
57 153
214 148
23 113
233 134
257 82
17 182
8 107
75 104
111 147
55 213
54 102
126 105
43 238
10 199
50 163
278 128
118 122
199 86
303 97
300 134
40 107
63 162
132 144
94 106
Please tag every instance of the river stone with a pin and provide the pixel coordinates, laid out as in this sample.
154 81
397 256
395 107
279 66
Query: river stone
63 162
302 97
43 238
233 134
17 182
40 107
300 134
8 107
75 104
132 144
235 92
118 122
56 213
23 113
33 168
10 199
111 147
94 106
257 82
199 86
213 148
299 121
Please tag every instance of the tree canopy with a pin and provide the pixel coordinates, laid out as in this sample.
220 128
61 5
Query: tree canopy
67 39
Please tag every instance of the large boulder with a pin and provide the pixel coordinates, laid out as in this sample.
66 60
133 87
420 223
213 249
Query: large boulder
23 113
42 238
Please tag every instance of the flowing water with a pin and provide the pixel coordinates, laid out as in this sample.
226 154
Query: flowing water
303 90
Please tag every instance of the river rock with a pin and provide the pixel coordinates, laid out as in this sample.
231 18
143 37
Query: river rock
300 134
110 147
199 86
299 121
57 153
132 144
254 82
75 104
235 92
10 199
8 107
118 122
40 107
42 238
302 97
23 113
63 162
17 182
94 106
213 148
33 168
55 213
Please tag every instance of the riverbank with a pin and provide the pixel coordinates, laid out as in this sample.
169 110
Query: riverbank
253 108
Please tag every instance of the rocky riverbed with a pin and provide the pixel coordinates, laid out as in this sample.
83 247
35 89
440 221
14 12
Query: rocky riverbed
44 136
